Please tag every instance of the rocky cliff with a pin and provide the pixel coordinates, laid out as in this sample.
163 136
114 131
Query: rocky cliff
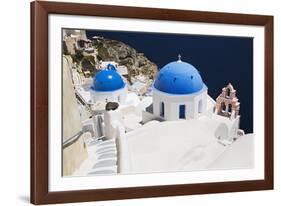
112 50
137 63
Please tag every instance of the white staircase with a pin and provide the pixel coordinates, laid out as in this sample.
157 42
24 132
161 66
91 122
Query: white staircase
102 158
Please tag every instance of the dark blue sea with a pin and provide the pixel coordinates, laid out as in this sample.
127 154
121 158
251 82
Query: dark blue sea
219 60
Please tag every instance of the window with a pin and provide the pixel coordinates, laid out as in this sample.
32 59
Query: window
182 111
162 109
200 106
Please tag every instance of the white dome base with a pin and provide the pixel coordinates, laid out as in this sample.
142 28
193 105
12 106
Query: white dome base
111 96
174 107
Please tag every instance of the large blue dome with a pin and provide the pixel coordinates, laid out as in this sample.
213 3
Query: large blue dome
178 78
107 80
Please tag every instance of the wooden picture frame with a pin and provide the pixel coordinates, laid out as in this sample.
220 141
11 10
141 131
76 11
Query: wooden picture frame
40 193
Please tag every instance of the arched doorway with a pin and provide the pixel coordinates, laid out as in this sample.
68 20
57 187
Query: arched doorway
182 111
223 107
228 92
230 108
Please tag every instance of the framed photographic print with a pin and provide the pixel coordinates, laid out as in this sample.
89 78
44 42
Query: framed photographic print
131 102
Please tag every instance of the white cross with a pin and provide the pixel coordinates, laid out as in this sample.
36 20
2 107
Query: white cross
179 56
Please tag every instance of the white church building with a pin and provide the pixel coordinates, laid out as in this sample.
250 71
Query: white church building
179 92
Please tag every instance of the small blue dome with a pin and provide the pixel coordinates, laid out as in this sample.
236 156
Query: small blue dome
178 78
107 80
111 67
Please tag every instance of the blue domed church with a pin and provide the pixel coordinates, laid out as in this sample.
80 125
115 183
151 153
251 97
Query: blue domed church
108 86
179 92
